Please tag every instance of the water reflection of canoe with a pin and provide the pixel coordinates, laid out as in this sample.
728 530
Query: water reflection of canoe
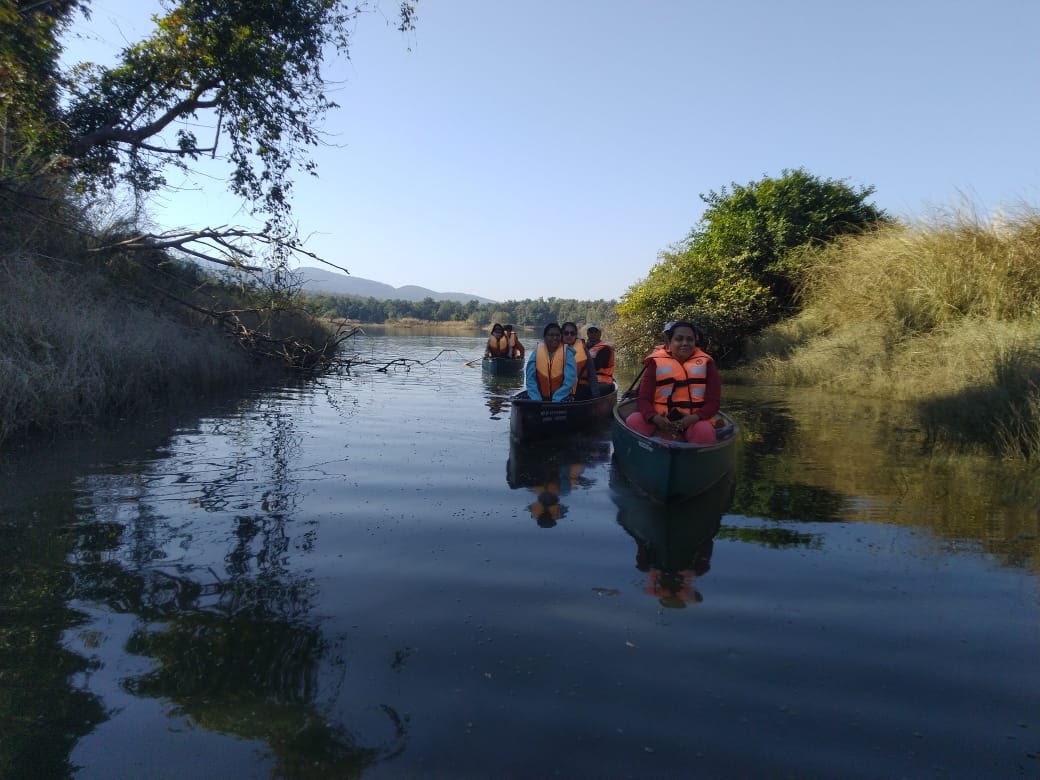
502 365
532 465
672 471
537 420
551 472
674 544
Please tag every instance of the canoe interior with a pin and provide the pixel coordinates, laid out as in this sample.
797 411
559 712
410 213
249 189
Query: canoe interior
668 471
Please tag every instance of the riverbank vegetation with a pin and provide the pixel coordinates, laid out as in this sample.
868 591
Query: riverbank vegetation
526 313
105 316
943 314
89 332
799 281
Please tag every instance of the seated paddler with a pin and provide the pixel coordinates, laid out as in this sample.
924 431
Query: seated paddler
497 343
680 392
551 372
586 386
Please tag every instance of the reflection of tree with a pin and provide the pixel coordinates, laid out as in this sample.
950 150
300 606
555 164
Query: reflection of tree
257 678
766 488
776 538
221 607
815 456
42 714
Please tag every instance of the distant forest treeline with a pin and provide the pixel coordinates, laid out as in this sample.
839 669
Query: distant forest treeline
530 313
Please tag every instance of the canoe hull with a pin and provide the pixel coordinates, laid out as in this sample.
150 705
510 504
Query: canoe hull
670 472
539 420
502 366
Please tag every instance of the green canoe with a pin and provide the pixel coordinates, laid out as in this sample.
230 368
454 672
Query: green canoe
670 471
502 365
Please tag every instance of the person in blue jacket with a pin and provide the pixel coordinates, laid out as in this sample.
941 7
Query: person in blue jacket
552 371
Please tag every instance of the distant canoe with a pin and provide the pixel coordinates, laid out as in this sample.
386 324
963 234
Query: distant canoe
538 420
502 365
672 471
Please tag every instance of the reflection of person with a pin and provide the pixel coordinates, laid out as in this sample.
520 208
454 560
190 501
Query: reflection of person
546 508
496 404
586 371
497 343
516 349
601 355
675 589
551 371
680 392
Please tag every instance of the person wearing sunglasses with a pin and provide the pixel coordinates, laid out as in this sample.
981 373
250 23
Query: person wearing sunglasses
586 384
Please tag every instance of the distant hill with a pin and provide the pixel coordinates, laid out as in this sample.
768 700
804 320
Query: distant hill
318 280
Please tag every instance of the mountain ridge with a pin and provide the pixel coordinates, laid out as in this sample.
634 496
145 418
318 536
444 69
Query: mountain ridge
319 281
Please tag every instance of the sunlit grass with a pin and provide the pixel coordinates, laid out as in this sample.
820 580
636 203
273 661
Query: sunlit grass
943 314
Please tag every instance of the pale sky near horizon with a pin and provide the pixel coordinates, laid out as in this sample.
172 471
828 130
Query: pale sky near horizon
555 147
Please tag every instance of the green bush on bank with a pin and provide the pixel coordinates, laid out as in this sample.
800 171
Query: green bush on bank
944 315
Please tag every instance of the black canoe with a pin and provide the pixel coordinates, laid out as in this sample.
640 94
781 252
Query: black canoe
502 365
671 471
538 420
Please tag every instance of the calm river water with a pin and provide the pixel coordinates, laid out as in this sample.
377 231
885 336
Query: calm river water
360 577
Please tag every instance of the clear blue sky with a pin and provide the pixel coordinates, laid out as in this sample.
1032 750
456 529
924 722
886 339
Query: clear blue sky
555 147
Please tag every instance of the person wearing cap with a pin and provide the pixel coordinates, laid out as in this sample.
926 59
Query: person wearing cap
601 355
585 387
516 349
681 390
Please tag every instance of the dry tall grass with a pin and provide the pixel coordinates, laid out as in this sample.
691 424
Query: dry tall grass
72 352
944 314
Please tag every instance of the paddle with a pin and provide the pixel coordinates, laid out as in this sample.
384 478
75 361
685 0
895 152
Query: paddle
628 393
474 360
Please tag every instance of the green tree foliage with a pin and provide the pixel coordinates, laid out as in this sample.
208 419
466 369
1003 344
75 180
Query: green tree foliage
236 80
30 83
738 269
526 313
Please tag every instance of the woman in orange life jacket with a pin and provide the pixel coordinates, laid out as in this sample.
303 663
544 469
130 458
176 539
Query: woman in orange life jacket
497 343
601 355
586 370
551 372
516 349
680 391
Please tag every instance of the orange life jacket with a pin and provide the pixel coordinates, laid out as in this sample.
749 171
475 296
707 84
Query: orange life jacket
603 373
581 357
513 341
680 386
549 369
499 347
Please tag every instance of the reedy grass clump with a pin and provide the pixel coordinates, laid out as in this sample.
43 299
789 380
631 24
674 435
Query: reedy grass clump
88 336
74 352
944 315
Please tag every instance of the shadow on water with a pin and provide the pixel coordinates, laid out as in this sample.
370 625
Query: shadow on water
674 544
550 471
228 629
